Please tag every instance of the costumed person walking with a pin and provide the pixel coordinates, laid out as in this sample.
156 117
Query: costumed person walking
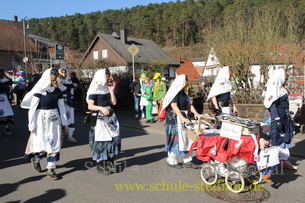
66 86
143 101
46 116
6 111
104 139
19 87
178 108
159 91
281 130
220 93
147 94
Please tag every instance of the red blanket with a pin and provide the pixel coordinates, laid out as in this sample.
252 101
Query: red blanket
223 149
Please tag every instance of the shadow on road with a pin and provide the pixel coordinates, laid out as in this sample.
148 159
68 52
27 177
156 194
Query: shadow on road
8 188
76 165
285 176
49 196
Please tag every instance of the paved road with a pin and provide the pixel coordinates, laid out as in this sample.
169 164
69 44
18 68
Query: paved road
142 161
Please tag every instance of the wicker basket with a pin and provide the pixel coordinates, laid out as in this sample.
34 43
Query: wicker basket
191 134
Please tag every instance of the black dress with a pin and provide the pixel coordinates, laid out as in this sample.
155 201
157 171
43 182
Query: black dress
106 128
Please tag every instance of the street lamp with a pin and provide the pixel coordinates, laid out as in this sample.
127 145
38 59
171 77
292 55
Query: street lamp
25 59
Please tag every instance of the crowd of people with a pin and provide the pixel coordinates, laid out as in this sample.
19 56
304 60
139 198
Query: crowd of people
50 100
148 96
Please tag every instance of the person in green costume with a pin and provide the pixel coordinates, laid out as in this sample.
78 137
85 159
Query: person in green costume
148 95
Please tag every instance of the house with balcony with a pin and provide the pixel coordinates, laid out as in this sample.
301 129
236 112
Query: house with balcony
21 50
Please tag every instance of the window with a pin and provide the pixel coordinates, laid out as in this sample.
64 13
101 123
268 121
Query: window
95 55
104 53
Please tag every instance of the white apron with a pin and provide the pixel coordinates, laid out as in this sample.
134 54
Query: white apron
48 135
5 107
184 142
106 128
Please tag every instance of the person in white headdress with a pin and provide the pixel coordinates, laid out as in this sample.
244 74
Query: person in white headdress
6 111
178 108
220 93
104 135
46 116
67 88
281 129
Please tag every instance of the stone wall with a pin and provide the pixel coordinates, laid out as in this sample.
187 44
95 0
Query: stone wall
253 111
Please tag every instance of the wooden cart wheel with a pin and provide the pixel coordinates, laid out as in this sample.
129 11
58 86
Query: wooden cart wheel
235 182
208 174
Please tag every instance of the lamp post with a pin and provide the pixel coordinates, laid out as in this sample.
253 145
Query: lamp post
25 59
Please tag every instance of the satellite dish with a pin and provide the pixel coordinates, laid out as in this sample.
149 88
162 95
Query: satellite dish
114 35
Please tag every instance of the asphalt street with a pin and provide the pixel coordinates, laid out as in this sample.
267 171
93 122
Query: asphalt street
141 171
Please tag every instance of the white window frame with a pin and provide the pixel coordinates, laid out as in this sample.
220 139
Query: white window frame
95 55
104 53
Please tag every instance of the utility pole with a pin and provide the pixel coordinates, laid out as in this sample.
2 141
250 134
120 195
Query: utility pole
25 59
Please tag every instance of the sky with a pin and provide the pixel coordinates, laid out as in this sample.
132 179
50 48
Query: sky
57 8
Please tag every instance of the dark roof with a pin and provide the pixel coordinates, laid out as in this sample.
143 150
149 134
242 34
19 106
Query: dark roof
148 49
45 41
11 35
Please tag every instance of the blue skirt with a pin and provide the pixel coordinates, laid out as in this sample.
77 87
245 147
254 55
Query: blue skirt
172 140
104 150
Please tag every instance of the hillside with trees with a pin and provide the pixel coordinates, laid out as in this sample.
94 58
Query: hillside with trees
241 32
183 23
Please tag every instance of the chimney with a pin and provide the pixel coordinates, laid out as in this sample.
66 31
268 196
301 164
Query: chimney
124 36
16 18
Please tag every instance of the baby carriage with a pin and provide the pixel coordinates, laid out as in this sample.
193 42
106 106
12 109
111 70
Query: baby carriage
228 159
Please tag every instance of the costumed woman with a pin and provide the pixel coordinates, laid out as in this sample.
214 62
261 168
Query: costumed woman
220 93
46 116
276 102
159 91
104 139
148 95
6 111
66 86
178 108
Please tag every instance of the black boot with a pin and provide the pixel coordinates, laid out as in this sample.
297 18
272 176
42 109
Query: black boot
100 166
103 167
52 175
36 164
111 164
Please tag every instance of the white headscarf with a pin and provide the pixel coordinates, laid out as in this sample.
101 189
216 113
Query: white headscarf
270 74
275 88
173 90
99 84
67 80
221 84
41 86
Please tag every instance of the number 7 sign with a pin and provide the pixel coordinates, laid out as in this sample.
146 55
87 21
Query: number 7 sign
267 158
